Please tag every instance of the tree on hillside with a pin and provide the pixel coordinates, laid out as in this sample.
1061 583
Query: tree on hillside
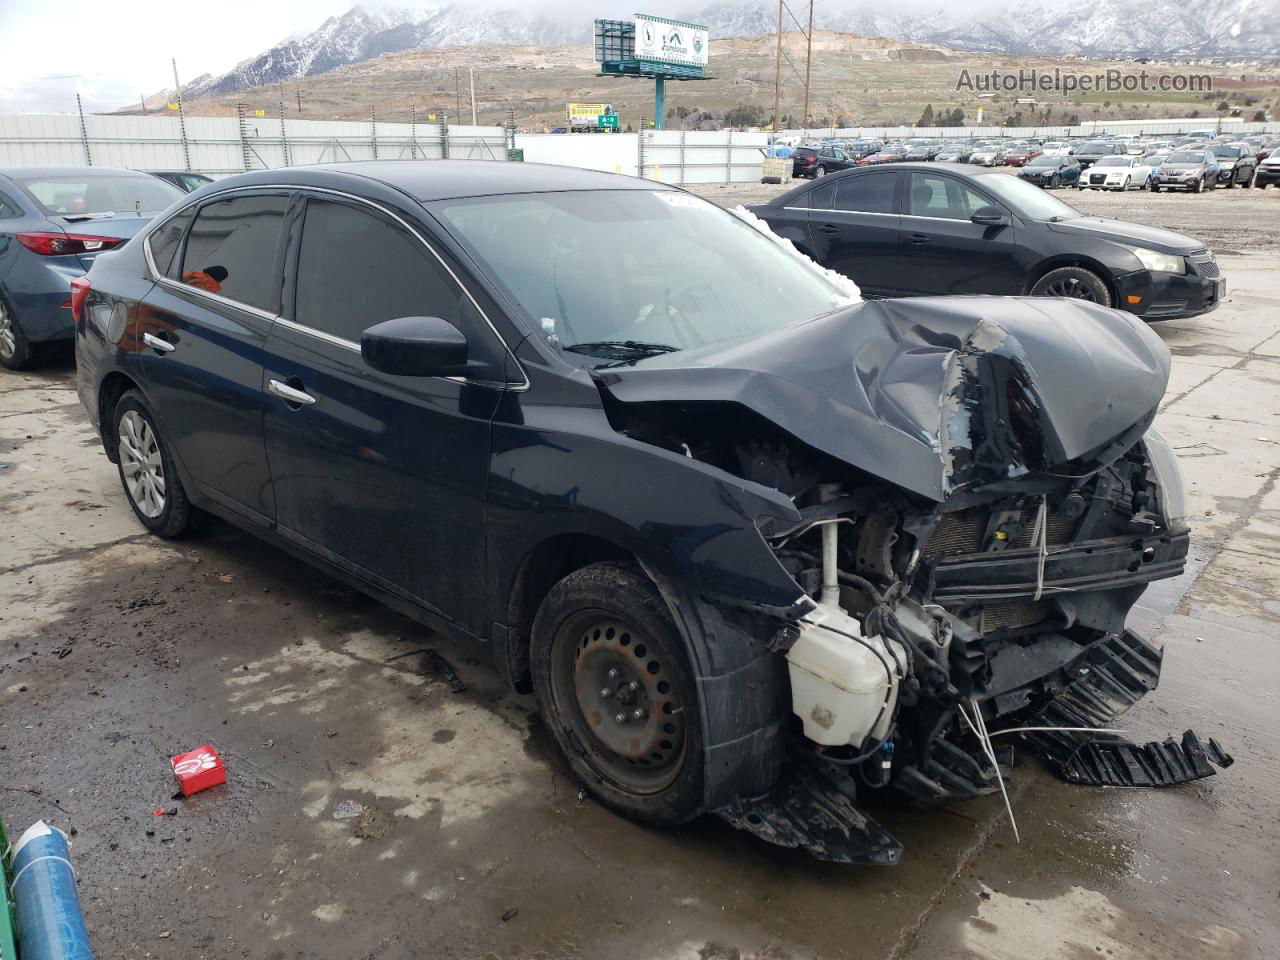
745 115
1260 117
1222 106
926 118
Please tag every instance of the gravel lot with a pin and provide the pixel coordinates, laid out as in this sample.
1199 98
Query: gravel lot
118 650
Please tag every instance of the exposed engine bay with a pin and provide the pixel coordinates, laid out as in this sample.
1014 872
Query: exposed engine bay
954 598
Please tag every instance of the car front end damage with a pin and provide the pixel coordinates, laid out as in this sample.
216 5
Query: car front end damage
979 501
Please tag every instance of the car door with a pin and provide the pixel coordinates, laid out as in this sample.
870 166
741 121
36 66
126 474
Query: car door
855 231
382 475
944 251
202 328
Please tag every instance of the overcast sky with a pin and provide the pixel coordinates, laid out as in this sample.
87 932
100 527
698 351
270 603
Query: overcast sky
113 51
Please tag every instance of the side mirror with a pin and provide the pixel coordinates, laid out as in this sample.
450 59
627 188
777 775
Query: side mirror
415 347
989 216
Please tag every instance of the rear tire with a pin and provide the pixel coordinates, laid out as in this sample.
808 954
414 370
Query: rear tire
147 471
1076 283
604 646
820 172
15 348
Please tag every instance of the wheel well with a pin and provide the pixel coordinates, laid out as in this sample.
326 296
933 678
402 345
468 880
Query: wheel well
1103 274
545 566
114 386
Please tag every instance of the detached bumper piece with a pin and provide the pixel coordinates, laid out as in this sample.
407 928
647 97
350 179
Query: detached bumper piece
808 811
1112 677
1109 761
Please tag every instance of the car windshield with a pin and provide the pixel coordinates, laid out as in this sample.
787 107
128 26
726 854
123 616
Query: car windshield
1043 161
1096 147
1054 145
83 196
602 270
1028 199
1221 150
1113 162
1185 157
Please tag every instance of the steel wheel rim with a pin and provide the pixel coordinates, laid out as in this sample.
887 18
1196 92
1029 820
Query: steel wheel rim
141 464
8 339
603 670
1071 287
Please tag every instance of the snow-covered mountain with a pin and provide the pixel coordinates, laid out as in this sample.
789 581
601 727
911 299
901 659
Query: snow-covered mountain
1166 29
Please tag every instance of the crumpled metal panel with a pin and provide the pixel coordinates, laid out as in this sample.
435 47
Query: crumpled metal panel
918 391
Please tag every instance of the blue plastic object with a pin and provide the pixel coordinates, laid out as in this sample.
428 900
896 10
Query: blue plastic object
50 922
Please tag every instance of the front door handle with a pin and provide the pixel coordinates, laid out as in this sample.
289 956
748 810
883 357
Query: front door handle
289 394
157 344
917 239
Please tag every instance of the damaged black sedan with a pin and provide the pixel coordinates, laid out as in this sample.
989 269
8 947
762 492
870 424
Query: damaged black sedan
760 548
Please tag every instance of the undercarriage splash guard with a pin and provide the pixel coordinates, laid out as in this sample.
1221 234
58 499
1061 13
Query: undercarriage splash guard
1116 674
809 811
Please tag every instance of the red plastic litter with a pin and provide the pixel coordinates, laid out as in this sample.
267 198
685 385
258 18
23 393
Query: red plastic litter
198 770
158 811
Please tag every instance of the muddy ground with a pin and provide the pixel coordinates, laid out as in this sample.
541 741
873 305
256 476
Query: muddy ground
118 650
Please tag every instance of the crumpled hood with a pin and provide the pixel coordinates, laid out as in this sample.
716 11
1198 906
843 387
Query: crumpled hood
933 393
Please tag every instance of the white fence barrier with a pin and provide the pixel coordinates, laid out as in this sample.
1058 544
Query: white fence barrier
223 145
611 152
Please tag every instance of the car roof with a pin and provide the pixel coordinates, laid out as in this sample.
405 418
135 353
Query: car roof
81 171
428 180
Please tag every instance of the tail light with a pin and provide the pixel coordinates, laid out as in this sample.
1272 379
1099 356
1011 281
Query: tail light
79 293
61 244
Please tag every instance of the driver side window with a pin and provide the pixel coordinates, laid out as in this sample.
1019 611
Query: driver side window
356 269
941 197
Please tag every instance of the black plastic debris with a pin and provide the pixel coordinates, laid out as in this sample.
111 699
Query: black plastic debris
1111 761
807 811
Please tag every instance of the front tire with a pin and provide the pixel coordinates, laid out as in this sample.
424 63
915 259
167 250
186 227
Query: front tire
1076 283
147 472
617 693
15 348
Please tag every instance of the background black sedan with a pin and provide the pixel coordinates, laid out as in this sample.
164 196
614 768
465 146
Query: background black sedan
951 229
1045 171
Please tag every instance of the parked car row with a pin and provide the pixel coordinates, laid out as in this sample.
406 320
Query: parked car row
1132 163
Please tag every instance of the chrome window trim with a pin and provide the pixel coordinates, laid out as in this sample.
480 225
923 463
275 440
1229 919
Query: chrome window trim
313 331
854 213
217 298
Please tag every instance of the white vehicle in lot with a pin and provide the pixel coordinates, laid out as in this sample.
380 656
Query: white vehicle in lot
1057 148
1120 172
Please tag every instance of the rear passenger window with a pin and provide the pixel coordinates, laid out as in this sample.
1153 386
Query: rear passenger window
823 197
356 269
232 248
164 243
867 193
8 209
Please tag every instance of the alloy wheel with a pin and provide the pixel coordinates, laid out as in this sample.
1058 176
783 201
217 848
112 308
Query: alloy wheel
141 464
612 687
8 339
1070 287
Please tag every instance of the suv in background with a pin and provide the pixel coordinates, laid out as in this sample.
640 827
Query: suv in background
1237 161
818 161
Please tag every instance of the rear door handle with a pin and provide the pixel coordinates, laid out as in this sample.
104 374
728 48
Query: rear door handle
157 344
829 228
918 239
290 394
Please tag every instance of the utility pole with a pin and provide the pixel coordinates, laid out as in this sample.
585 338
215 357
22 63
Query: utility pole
457 94
808 63
182 120
777 73
472 72
143 100
298 91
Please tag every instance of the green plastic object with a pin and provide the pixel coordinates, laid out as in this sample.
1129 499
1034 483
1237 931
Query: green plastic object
8 946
